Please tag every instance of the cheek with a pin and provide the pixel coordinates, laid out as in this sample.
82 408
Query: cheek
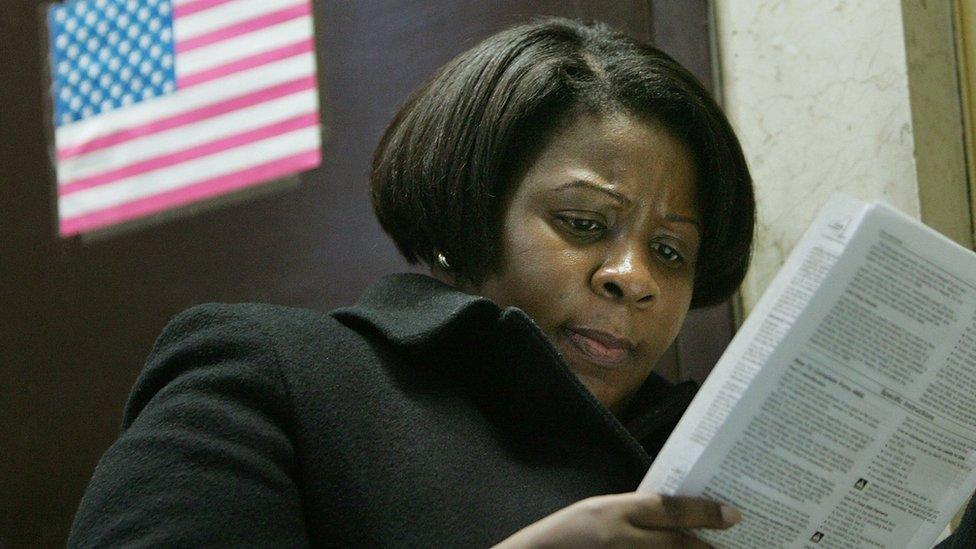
539 274
537 255
678 307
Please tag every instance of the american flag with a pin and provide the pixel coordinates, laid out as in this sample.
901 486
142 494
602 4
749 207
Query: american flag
160 103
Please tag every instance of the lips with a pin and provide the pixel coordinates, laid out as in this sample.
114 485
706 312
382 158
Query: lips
601 347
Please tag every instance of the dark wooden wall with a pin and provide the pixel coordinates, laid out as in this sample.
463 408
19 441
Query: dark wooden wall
77 316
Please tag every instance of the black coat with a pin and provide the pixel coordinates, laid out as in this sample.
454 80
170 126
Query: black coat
420 417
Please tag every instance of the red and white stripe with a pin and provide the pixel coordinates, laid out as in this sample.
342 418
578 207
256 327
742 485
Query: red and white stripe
245 112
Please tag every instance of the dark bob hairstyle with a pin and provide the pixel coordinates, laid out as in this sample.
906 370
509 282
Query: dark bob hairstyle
445 165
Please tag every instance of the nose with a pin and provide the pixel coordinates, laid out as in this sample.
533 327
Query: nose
626 275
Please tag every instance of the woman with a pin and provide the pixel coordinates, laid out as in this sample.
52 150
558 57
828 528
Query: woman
574 193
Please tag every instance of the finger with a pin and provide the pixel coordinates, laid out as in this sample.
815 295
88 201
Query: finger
660 511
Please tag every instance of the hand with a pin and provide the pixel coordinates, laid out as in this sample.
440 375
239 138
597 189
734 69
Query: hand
625 520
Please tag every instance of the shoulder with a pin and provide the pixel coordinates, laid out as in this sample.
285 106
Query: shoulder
249 328
231 347
403 325
206 437
243 319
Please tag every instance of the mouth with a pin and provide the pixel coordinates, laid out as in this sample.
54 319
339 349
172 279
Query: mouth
600 347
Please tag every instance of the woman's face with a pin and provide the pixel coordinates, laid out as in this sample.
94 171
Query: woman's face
599 245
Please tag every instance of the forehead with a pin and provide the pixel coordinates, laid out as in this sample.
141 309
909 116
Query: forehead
639 158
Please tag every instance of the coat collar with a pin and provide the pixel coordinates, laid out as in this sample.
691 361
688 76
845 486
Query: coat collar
419 313
416 311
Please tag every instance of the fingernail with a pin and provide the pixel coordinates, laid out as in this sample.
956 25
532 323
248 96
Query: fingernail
731 515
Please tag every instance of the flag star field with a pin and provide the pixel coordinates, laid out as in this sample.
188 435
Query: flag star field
110 54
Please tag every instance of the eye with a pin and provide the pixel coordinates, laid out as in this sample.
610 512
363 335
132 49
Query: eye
582 225
667 253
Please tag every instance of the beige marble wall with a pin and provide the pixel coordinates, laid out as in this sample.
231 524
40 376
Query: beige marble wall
821 94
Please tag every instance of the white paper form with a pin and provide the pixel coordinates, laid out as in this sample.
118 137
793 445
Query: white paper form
776 311
861 427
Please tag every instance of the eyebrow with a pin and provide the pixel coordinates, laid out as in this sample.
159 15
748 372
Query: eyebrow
678 218
582 184
622 199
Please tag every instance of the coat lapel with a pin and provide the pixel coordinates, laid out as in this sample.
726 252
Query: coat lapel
508 360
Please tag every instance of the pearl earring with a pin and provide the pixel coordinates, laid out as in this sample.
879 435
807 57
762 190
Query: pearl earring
442 261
